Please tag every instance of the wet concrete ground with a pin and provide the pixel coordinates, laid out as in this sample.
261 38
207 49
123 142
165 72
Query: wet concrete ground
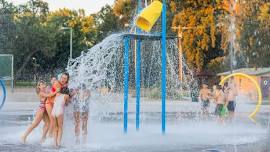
185 130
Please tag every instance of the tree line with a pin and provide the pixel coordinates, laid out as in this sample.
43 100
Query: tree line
33 33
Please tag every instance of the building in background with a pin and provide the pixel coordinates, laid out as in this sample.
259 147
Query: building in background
246 87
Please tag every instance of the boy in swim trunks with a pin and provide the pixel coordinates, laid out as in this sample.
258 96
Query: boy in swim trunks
220 98
231 98
204 97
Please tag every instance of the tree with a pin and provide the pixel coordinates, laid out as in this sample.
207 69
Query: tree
106 23
201 41
7 27
84 34
125 10
32 35
255 36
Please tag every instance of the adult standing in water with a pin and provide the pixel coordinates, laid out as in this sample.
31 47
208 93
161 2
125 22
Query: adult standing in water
231 98
57 86
81 111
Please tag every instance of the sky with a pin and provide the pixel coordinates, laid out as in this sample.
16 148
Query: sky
90 6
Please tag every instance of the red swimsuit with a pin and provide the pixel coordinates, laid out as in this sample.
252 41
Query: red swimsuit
56 86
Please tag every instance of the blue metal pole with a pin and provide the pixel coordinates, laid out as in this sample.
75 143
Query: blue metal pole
138 72
163 71
2 83
126 75
138 83
139 8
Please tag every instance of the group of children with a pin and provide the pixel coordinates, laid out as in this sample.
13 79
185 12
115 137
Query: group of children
223 96
52 107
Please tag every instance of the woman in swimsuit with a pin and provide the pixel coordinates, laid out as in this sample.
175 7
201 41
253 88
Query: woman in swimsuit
58 114
57 86
41 113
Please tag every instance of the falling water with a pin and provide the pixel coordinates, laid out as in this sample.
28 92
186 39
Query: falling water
232 37
236 56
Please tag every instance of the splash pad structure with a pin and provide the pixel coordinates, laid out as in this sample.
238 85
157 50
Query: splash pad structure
3 93
259 102
145 21
110 63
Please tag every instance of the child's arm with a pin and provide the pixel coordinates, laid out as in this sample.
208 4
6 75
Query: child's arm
88 93
47 95
67 99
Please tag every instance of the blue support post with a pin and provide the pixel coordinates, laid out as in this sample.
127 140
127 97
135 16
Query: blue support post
2 84
163 71
138 72
126 75
138 83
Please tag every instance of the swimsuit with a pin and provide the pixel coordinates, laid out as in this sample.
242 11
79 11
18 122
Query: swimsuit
218 109
85 106
80 105
42 106
231 106
76 104
50 100
205 104
59 104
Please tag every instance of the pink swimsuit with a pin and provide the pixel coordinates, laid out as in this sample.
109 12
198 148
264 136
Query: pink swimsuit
42 106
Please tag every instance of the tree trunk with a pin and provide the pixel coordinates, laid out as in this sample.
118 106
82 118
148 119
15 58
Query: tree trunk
27 59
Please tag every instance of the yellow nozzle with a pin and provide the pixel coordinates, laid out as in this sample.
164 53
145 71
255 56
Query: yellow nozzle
149 16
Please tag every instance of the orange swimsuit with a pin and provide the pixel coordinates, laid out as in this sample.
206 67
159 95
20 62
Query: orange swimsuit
56 86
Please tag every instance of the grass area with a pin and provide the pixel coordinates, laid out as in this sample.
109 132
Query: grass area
22 83
25 84
155 93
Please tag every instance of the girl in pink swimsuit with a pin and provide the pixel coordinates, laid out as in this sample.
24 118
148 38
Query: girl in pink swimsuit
41 112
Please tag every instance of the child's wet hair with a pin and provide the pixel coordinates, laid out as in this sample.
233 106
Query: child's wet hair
219 87
38 84
65 90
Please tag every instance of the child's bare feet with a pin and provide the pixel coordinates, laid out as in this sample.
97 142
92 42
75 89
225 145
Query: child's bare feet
84 139
56 146
42 140
77 141
23 139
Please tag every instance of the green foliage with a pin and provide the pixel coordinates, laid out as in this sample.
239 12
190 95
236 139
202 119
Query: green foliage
31 31
200 37
217 65
254 34
106 22
125 10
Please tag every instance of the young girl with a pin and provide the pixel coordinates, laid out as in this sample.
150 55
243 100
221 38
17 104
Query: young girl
58 114
49 105
41 113
81 110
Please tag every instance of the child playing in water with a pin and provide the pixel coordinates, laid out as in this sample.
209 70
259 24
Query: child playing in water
41 113
220 98
58 114
205 97
81 110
